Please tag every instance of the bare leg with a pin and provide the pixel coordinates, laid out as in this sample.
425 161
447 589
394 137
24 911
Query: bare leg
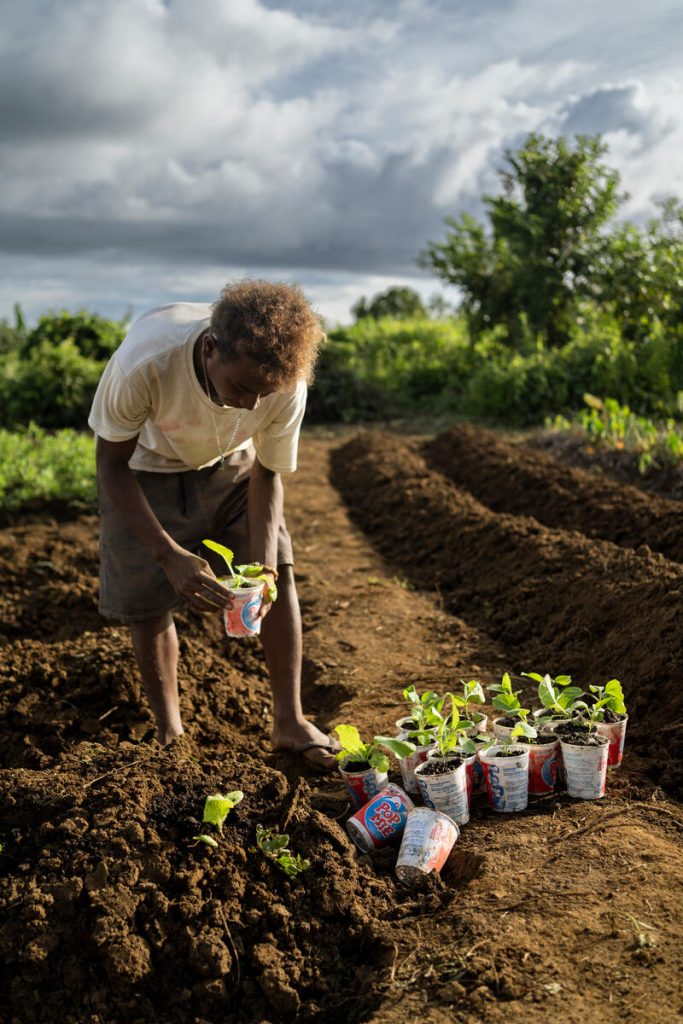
155 643
281 638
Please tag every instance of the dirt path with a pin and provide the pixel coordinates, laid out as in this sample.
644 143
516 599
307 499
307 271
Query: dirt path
113 915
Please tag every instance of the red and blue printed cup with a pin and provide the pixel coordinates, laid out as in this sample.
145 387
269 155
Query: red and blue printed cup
381 819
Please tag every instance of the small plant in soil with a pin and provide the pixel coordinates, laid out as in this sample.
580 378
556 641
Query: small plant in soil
274 845
358 756
557 695
507 701
472 693
216 809
609 701
425 712
450 738
242 575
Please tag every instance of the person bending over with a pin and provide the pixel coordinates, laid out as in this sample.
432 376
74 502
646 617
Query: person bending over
197 417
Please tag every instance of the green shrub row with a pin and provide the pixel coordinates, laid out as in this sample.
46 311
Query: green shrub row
384 369
39 468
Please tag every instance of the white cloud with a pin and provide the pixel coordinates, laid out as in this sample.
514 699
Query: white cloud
304 135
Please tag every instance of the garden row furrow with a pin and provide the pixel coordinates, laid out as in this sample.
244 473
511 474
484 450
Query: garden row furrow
510 478
558 601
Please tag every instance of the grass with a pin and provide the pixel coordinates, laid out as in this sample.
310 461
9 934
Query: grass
40 467
607 423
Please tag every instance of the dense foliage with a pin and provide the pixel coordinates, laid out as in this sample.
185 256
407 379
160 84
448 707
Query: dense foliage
38 468
377 370
549 247
48 375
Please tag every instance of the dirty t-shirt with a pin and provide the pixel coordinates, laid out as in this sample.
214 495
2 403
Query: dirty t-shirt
149 388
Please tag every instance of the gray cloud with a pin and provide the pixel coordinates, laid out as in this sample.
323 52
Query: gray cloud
300 134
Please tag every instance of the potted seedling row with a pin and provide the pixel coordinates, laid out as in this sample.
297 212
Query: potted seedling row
245 583
472 693
418 727
364 766
506 770
442 778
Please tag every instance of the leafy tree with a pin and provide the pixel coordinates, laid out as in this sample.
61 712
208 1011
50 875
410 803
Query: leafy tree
399 303
640 272
539 256
93 335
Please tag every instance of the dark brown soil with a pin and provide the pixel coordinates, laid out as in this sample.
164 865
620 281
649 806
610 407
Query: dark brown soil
519 480
440 765
112 913
558 601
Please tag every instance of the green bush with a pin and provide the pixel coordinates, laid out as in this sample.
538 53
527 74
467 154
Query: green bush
379 370
37 468
52 386
93 335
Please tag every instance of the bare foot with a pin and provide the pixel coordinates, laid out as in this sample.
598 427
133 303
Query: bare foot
167 735
295 735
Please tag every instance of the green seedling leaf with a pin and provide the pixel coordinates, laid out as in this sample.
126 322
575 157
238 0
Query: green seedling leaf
506 702
209 840
400 748
535 676
218 807
410 694
474 692
569 695
226 554
273 845
563 680
523 729
547 693
616 694
351 743
378 760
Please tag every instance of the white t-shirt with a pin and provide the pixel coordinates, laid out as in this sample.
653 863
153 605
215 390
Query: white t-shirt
149 387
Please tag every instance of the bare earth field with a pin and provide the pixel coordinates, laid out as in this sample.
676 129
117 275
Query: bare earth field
416 562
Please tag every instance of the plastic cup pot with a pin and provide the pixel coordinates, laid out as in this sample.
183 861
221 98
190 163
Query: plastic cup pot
585 766
476 786
543 766
409 764
362 783
241 618
507 777
404 726
479 721
381 819
443 785
616 734
427 841
501 731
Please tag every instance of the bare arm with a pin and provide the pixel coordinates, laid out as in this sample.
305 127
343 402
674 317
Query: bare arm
188 574
265 505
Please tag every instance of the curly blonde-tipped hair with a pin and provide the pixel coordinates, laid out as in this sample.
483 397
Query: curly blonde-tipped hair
273 325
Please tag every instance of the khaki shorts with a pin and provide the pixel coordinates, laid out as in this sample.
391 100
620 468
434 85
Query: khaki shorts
191 506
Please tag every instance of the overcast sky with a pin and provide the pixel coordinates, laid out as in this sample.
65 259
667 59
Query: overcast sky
152 150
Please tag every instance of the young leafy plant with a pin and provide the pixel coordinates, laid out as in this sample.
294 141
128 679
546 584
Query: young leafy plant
557 695
353 748
451 733
274 845
425 711
507 699
243 575
216 809
472 693
609 697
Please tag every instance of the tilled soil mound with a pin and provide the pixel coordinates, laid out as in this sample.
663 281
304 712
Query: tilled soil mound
560 601
112 913
511 478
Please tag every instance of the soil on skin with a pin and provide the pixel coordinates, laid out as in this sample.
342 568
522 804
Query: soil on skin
112 912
